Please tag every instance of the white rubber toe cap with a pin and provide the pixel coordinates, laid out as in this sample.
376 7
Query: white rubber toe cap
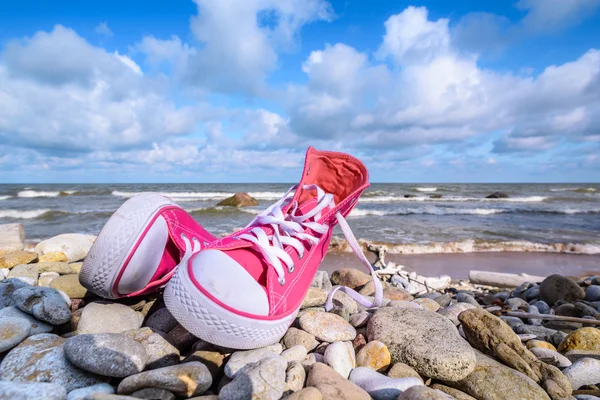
226 280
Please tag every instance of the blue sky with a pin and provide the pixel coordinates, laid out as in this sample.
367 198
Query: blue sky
234 91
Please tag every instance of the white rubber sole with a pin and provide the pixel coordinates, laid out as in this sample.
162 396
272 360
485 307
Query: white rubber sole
210 322
116 241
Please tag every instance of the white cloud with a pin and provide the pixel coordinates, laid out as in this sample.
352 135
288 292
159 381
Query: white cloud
551 15
102 29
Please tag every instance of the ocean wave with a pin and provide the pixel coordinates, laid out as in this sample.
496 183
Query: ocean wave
357 212
23 214
473 246
5 197
191 196
374 193
394 199
33 193
426 189
575 189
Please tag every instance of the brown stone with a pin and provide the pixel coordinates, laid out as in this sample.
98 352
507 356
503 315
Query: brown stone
54 256
581 339
332 385
239 199
401 370
374 355
457 394
493 336
16 258
396 293
350 277
309 393
70 285
540 343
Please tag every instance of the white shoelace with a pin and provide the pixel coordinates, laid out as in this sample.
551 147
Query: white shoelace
288 229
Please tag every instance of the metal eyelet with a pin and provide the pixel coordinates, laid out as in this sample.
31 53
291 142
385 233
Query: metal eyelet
195 240
206 244
291 269
282 281
300 256
183 236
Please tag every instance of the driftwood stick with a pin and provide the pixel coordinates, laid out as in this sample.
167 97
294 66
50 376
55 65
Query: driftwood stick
549 317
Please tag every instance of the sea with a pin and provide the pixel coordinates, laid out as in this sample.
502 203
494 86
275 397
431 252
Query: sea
409 218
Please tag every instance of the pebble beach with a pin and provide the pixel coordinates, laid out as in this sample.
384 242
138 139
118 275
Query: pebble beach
528 337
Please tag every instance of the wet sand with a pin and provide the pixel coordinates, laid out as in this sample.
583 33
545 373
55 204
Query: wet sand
458 265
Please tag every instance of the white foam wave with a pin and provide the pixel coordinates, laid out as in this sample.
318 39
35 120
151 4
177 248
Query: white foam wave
357 212
33 193
5 197
21 214
393 199
191 196
574 189
426 189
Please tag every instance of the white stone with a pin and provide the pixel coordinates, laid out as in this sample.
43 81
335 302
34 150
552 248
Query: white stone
241 358
341 357
379 386
74 246
585 371
295 353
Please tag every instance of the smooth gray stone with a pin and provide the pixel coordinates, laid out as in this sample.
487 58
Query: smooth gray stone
240 358
379 386
32 391
80 394
515 303
12 332
44 303
264 379
583 372
532 293
36 325
592 293
542 306
466 298
534 321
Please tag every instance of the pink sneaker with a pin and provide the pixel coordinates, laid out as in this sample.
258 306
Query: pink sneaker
245 290
139 247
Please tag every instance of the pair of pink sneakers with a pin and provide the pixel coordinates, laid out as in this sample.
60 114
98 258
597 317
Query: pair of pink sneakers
242 291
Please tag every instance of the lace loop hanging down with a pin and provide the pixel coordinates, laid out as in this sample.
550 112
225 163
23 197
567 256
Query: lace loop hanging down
288 230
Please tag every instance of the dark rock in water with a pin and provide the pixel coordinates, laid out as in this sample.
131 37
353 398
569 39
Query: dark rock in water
239 200
435 196
497 195
409 196
557 287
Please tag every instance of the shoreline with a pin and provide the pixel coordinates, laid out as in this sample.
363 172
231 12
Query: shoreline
458 265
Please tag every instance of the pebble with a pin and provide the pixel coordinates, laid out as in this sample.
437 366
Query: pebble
43 303
542 306
27 273
526 337
47 277
322 281
360 319
161 320
466 298
100 317
213 360
515 303
181 338
374 355
550 356
379 386
542 333
107 354
513 322
340 356
592 293
311 359
240 358
443 300
295 376
575 355
309 393
369 288
12 332
36 326
153 394
32 391
532 293
455 393
296 353
401 370
557 287
585 310
423 393
534 321
427 303
60 268
314 298
567 310
452 312
327 327
189 379
72 246
70 285
41 358
425 340
396 293
16 258
583 372
159 352
80 394
264 379
404 304
350 277
581 339
295 336
540 343
332 386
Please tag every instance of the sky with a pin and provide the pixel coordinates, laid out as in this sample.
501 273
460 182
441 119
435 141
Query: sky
236 90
